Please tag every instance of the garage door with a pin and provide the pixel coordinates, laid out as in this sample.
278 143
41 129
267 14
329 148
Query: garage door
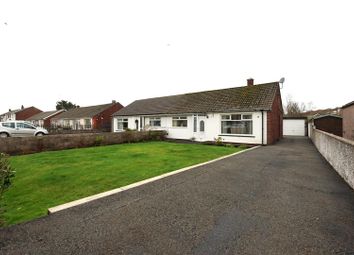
294 127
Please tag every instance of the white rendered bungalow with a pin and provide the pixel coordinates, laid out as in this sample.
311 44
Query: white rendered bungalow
250 114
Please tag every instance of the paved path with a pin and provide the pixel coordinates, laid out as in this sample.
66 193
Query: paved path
281 199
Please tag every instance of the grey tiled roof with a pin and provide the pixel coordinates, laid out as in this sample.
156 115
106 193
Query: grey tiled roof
246 98
83 112
42 115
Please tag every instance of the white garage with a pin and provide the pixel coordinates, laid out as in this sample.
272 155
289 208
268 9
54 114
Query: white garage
294 126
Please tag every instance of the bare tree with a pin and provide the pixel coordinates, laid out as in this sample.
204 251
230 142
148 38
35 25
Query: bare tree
296 108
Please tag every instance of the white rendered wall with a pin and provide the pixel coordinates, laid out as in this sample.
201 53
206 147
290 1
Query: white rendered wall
131 122
212 128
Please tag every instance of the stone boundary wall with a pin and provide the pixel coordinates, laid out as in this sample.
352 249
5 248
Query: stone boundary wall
27 145
338 151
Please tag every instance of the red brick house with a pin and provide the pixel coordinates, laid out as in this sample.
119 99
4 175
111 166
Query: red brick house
19 114
43 119
348 120
249 114
98 117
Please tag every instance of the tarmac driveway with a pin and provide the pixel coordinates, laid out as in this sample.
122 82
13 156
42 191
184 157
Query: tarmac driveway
280 199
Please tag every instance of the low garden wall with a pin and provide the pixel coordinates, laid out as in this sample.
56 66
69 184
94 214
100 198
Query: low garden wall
338 151
27 145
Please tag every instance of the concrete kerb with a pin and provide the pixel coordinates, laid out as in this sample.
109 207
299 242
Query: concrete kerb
137 184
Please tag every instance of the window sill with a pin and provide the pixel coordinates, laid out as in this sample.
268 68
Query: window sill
235 135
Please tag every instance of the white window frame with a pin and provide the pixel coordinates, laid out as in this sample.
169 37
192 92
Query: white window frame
122 121
179 118
244 117
153 120
87 123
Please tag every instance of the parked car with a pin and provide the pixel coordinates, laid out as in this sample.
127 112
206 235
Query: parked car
20 128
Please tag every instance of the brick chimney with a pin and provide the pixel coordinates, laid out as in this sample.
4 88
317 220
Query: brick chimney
250 82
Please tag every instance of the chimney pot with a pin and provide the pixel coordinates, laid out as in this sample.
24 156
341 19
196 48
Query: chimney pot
250 82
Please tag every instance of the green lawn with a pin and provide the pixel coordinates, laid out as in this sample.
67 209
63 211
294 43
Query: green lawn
48 179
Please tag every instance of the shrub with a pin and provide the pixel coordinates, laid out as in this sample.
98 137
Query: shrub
6 173
218 141
98 140
155 135
243 146
128 136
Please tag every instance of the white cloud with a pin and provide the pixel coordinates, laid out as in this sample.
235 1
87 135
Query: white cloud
91 52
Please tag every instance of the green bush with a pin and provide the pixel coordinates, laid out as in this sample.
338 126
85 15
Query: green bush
98 140
243 146
218 141
155 135
6 174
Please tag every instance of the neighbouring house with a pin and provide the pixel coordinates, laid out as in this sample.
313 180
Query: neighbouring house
19 114
250 114
98 117
295 126
330 123
312 113
348 120
43 119
301 123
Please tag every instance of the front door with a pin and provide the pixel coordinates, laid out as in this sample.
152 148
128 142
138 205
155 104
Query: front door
77 124
201 128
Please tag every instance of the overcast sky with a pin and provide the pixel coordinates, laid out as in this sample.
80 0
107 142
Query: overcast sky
90 52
